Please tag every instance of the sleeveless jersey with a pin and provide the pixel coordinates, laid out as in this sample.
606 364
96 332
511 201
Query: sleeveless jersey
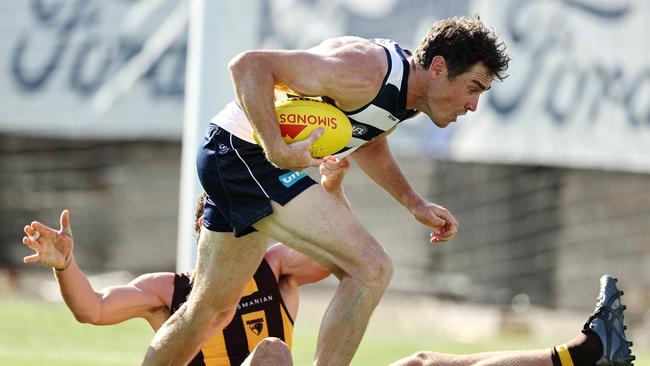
260 313
386 110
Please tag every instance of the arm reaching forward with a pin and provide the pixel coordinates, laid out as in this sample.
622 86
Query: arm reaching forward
142 297
377 161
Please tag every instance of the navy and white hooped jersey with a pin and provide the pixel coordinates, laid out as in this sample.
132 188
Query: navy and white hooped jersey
389 106
386 110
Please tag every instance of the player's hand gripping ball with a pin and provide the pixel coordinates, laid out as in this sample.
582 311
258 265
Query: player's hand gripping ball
299 117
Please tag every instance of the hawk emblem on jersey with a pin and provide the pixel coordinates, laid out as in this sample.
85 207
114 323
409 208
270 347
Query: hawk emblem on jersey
255 325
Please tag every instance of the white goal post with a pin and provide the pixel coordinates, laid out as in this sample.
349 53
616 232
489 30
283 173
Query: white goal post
218 30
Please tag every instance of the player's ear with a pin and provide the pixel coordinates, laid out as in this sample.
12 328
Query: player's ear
438 67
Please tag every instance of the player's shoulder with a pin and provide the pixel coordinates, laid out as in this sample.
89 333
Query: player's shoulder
282 260
357 68
350 46
159 285
274 256
343 41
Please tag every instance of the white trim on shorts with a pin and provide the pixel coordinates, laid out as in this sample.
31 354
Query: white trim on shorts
247 167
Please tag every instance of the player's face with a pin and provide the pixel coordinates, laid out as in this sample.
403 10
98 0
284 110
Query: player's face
449 99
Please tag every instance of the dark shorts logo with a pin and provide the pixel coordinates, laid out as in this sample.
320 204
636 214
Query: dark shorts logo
223 149
359 130
290 178
255 325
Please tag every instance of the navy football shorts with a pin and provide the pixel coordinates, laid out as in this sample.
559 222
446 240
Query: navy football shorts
240 183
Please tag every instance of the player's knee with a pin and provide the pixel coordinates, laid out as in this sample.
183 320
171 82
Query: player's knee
203 299
271 351
221 308
210 323
223 317
211 314
379 270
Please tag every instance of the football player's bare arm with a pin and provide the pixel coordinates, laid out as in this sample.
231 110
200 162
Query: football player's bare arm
147 296
378 162
349 70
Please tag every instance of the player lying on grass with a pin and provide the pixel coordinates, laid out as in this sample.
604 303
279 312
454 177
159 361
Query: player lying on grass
601 342
264 317
262 325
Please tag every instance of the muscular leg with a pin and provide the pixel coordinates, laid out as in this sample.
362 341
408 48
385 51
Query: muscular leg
319 226
270 351
505 358
224 265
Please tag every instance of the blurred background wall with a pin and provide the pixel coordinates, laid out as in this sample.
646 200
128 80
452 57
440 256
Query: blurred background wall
549 179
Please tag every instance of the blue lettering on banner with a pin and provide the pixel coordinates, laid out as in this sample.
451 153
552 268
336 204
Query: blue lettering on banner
88 57
552 59
290 178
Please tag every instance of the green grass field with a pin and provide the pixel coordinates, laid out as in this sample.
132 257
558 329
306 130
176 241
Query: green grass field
34 333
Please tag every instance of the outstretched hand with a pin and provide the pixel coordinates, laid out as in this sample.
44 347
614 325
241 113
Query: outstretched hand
439 218
52 248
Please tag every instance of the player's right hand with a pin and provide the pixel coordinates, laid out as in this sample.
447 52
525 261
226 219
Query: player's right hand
52 248
296 156
438 218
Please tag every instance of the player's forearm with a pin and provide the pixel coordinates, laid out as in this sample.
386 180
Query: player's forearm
380 165
253 85
78 294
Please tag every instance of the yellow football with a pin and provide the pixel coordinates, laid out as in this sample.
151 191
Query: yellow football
299 117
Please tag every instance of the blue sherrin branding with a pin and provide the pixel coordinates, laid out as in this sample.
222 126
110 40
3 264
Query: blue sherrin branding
290 178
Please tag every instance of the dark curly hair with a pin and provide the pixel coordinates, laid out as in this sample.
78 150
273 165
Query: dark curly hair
463 41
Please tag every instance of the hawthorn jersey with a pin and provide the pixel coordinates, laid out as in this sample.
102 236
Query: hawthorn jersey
260 314
386 110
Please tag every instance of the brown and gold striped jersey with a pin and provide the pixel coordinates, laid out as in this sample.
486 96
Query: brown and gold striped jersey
260 313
